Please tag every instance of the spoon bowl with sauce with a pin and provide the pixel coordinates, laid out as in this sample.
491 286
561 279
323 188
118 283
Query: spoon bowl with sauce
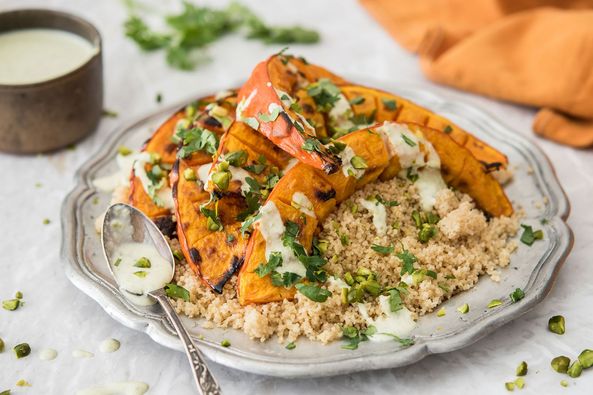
142 264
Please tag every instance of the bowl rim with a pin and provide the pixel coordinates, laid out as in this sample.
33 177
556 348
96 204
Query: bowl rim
96 41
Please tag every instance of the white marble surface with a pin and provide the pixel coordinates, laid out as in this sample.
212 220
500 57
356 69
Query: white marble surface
57 315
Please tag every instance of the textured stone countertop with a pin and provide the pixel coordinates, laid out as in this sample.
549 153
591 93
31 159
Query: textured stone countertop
59 316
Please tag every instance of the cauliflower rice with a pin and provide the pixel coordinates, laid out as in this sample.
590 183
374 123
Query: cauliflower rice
466 246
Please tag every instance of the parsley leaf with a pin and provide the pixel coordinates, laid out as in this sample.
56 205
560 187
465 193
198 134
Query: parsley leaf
408 259
383 250
324 93
287 279
196 139
395 300
389 105
176 292
314 292
273 262
517 295
529 236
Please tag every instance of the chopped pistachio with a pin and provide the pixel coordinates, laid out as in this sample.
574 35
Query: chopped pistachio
494 303
510 386
354 208
1 345
143 263
291 346
564 383
556 324
348 278
575 369
344 295
363 271
212 225
521 369
46 221
441 312
140 273
372 287
189 174
21 350
7 392
520 383
123 150
23 383
560 364
225 343
586 358
11 304
221 179
463 309
358 163
18 295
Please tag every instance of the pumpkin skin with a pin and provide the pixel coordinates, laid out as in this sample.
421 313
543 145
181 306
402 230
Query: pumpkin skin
459 169
286 74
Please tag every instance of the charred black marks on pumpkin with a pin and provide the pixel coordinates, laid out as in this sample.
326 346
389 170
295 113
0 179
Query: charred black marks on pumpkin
166 225
236 263
307 108
493 166
288 123
325 195
212 122
171 147
194 254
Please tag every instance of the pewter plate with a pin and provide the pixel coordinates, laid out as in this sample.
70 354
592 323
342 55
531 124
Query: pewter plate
532 268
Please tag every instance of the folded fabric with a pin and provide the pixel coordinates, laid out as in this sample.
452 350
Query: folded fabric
513 50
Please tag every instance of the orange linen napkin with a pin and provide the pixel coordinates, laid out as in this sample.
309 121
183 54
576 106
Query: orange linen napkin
527 51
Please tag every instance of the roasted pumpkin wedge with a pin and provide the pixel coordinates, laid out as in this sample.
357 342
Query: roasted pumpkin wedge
367 155
212 200
357 106
266 104
251 287
211 111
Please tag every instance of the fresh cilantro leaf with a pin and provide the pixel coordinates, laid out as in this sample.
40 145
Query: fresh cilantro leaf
383 250
313 292
389 105
408 259
324 93
395 300
529 236
176 292
287 279
273 262
517 295
357 100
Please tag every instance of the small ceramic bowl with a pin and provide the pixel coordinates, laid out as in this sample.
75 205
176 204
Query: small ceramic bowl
54 113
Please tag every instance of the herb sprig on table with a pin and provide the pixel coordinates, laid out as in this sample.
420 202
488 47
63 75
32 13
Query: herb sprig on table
190 31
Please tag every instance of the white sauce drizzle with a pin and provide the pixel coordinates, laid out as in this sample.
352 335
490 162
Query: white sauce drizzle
109 345
164 194
124 388
204 174
223 95
48 354
291 163
82 354
426 164
301 202
399 323
239 174
341 113
243 104
347 169
272 228
287 102
119 178
378 212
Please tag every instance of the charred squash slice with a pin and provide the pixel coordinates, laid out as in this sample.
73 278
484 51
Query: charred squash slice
265 103
388 107
162 146
457 165
216 250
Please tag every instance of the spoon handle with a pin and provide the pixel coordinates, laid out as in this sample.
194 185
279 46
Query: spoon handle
205 382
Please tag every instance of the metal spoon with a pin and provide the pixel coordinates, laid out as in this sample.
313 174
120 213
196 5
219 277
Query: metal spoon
124 224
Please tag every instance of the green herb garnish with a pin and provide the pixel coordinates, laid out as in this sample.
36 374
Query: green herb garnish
314 292
408 259
176 292
383 250
529 236
273 262
389 104
290 346
448 129
408 140
324 93
357 100
517 295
